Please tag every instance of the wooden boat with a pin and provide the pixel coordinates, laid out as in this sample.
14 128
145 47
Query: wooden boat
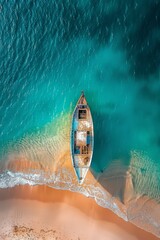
82 138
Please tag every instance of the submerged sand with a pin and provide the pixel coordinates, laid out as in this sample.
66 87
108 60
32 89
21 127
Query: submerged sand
44 158
40 212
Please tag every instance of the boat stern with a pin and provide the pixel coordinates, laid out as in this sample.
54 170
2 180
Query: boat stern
81 173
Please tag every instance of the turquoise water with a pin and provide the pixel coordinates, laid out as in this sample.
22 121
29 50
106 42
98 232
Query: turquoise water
52 50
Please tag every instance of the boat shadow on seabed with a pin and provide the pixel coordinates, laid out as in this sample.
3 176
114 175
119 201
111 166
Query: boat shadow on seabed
111 156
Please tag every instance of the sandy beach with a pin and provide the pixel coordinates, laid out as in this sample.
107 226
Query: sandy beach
40 212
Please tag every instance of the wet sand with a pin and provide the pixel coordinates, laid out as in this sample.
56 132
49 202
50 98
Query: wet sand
41 212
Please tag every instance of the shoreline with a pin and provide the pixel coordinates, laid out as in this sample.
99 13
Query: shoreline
86 209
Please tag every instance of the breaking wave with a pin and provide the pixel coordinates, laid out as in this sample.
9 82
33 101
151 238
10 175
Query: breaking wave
44 158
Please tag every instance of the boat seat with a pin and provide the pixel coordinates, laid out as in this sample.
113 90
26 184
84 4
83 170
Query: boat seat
82 114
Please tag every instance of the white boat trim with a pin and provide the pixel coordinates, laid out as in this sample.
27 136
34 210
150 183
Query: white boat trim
82 147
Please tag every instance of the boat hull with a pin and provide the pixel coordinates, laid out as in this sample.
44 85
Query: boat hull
82 137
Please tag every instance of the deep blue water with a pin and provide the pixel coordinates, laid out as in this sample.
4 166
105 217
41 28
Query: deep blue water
52 50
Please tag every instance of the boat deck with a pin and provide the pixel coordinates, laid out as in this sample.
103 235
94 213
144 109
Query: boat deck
82 138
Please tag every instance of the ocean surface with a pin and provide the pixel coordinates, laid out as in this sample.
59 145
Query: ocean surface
52 50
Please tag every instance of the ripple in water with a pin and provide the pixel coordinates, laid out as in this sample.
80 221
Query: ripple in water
44 159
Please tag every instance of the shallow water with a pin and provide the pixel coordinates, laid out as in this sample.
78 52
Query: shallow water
49 52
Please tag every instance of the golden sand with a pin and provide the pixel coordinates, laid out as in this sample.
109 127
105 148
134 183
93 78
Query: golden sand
41 212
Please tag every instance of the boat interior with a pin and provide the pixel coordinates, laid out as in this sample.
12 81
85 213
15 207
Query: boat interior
82 144
82 134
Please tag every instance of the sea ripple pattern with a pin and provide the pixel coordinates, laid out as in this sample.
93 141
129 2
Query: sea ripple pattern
49 52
